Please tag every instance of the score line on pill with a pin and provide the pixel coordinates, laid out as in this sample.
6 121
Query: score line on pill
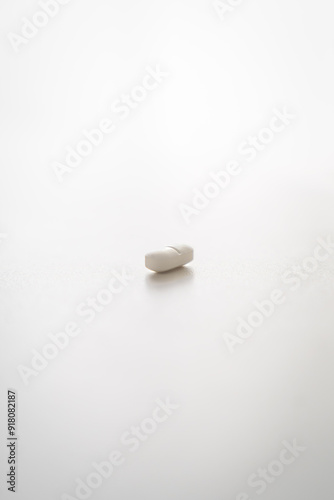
169 258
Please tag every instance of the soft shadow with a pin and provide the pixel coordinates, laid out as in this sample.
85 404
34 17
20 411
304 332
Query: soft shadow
175 277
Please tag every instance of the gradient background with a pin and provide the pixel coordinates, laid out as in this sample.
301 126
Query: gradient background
163 336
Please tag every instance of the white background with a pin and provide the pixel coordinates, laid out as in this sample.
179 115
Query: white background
163 335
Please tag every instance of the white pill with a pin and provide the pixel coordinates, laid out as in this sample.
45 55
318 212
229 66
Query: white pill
169 258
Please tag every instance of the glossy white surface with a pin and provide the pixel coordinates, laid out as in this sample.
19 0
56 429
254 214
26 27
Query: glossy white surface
162 335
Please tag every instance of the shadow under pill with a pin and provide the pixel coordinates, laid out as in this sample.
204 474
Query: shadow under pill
175 277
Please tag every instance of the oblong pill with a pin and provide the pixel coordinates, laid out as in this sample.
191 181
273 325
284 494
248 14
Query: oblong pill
169 258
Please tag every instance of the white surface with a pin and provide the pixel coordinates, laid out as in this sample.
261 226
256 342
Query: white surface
163 335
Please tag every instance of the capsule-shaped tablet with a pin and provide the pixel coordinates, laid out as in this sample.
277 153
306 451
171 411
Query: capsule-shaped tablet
169 258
